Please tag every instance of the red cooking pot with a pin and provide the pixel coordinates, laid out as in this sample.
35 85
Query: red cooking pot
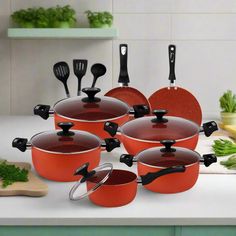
113 187
156 159
147 132
56 154
90 113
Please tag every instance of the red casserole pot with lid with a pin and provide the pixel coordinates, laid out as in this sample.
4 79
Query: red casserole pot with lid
110 187
91 112
56 154
147 132
156 159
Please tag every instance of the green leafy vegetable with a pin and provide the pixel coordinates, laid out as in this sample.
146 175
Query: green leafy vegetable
230 163
228 102
10 173
99 19
224 147
52 17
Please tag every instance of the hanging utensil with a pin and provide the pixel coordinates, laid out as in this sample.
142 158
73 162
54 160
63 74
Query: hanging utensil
97 70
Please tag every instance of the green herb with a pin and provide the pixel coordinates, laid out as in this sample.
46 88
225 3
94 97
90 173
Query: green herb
45 18
228 102
99 19
10 173
230 163
224 147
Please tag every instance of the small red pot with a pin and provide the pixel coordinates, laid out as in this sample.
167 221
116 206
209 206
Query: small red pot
147 132
156 159
56 154
90 113
114 188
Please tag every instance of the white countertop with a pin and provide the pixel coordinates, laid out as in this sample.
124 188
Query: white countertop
210 202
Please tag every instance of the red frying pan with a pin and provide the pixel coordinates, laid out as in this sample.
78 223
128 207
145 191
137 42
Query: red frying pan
178 101
129 95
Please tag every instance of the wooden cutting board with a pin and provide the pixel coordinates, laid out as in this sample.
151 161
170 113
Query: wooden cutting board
33 188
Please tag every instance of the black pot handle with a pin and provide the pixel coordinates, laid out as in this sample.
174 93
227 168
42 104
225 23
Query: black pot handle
127 159
111 143
172 53
65 126
111 128
208 159
168 145
159 116
20 143
91 92
149 177
42 110
83 171
208 128
140 110
123 76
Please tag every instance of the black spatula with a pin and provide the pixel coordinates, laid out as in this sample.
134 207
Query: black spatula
80 68
62 72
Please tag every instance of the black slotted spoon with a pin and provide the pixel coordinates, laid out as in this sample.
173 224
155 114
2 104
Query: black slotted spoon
80 68
62 72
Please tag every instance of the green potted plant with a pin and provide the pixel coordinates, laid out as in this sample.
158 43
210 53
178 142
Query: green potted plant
99 19
228 106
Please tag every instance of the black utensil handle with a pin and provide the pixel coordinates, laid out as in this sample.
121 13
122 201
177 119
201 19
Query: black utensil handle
172 53
208 128
111 128
83 171
149 177
124 76
42 111
67 90
20 143
208 159
111 143
127 159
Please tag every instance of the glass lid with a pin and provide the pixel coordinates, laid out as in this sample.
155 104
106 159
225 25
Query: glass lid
65 141
96 177
168 156
91 108
161 127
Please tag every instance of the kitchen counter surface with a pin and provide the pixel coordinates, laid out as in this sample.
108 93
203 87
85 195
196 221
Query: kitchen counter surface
210 202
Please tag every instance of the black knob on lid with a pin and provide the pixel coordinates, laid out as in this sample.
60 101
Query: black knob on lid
65 126
91 92
159 116
168 144
83 170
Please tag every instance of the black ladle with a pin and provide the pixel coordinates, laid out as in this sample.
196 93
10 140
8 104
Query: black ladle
97 70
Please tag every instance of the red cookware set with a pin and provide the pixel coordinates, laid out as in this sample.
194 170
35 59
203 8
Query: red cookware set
162 143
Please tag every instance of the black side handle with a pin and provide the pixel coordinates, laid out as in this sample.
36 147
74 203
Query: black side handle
111 128
149 177
42 110
127 159
140 110
83 170
172 53
159 116
65 126
208 159
168 145
20 143
91 92
111 143
123 76
208 128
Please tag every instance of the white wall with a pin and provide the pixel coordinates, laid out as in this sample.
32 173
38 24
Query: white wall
203 30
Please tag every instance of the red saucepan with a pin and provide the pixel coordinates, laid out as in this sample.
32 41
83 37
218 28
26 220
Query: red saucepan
178 101
129 95
156 159
56 154
147 132
90 113
113 187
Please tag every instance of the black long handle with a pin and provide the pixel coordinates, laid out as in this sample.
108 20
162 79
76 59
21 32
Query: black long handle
124 76
67 90
149 177
172 53
94 81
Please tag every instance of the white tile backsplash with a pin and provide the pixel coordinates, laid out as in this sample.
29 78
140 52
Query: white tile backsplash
203 30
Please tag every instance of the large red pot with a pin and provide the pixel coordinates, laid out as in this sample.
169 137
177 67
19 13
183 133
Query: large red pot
156 159
113 187
147 132
90 113
56 154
